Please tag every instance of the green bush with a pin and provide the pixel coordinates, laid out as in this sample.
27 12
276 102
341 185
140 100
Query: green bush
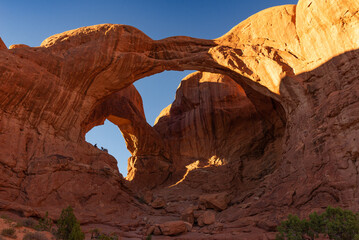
45 224
34 236
8 232
96 234
6 218
68 228
29 222
334 223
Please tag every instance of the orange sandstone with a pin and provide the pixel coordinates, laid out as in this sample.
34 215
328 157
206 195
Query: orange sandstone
271 119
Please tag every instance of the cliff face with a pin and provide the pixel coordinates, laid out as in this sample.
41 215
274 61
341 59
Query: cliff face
213 123
271 119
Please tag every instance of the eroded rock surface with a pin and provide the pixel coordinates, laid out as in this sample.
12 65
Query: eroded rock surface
271 120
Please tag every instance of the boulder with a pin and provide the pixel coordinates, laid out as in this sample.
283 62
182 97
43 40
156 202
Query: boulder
217 201
173 228
159 202
206 218
150 230
148 197
157 231
200 220
209 217
188 215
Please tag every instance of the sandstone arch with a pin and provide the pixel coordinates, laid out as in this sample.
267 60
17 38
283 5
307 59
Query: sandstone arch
287 59
150 157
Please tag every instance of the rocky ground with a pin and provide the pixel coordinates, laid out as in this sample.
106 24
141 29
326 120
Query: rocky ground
14 227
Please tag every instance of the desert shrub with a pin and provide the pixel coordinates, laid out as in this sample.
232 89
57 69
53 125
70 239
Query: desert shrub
104 236
141 200
18 225
34 236
8 232
293 228
68 228
96 234
29 222
340 224
334 223
44 224
6 218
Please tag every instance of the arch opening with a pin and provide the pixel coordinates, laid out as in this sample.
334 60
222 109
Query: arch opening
108 137
158 91
232 126
115 113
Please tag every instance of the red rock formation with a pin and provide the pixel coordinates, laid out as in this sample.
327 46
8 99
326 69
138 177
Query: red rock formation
18 46
149 161
202 123
2 44
209 124
284 140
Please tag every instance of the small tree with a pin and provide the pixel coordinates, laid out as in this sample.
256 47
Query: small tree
68 228
340 224
45 224
335 223
293 228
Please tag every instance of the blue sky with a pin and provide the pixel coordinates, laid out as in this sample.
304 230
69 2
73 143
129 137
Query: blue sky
30 22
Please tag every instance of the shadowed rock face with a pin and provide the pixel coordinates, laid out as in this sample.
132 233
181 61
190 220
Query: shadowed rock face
271 119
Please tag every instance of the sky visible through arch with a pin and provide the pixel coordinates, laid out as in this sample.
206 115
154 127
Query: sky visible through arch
30 22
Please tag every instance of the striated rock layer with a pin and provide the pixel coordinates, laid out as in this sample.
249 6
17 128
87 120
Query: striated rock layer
212 122
269 126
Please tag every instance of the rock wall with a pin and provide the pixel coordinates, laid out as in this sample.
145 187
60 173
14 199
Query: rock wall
271 120
213 122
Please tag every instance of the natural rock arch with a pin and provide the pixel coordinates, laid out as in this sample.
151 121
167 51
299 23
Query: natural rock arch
291 68
90 65
125 109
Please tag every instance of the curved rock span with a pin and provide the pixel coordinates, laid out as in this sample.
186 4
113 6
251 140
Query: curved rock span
268 126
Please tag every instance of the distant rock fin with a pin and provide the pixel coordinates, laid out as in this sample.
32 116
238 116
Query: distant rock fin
2 44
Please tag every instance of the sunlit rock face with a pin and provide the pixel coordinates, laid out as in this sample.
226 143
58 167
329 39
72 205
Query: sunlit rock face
213 123
271 120
149 164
